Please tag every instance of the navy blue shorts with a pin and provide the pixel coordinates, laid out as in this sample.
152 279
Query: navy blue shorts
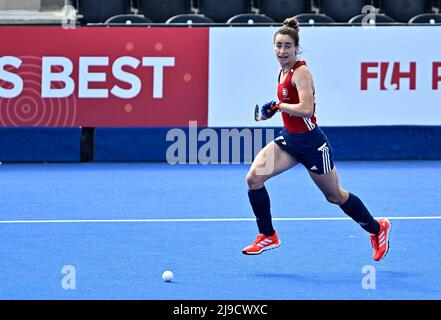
312 149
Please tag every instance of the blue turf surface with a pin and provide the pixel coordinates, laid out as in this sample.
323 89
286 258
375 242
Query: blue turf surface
321 259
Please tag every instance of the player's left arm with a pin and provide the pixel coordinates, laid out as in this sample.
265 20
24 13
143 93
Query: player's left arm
302 80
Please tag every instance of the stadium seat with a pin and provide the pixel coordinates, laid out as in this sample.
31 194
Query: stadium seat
379 18
95 11
376 3
404 10
221 11
313 18
431 18
161 10
250 18
342 10
189 18
128 19
279 10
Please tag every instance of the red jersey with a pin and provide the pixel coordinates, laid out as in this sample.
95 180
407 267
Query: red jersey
287 93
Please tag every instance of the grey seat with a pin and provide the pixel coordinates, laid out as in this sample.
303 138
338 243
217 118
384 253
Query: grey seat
190 19
313 18
431 18
378 18
250 18
128 19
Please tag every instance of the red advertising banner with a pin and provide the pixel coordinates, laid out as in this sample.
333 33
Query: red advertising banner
103 76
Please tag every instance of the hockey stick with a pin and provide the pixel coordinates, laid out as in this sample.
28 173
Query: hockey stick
257 115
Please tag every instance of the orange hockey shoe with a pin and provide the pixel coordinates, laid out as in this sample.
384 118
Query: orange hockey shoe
380 241
262 243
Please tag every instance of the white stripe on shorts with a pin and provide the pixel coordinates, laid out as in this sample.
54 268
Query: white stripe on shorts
326 158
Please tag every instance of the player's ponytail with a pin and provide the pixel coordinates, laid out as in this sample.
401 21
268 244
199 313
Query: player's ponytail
291 28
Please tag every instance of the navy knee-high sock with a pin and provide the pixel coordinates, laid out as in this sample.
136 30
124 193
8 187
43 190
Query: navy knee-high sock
355 209
260 202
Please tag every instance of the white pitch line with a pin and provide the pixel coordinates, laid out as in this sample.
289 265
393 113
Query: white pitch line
201 220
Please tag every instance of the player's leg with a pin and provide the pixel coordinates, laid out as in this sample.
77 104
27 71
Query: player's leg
328 183
269 162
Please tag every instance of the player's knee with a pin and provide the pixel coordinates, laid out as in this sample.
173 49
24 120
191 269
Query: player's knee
254 180
334 198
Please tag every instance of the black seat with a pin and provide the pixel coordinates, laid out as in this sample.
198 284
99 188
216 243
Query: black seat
279 10
378 18
404 10
250 18
313 18
95 11
128 19
431 18
342 10
190 18
161 10
221 11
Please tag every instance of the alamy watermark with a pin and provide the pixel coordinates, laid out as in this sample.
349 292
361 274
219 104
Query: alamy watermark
69 280
369 280
69 17
369 20
218 146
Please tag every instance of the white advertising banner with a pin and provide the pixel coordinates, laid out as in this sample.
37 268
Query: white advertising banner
362 76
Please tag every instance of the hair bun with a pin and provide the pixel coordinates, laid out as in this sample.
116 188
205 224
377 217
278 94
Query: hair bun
292 23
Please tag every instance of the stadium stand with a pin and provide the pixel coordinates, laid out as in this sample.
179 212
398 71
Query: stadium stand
221 11
228 12
279 10
161 10
342 10
404 10
31 11
20 5
95 11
